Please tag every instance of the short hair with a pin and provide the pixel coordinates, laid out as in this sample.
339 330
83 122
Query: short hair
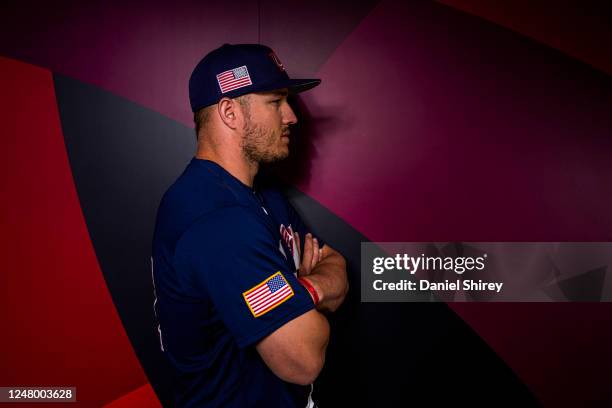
202 116
201 119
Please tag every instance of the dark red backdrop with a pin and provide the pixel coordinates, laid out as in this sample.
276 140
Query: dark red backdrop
434 122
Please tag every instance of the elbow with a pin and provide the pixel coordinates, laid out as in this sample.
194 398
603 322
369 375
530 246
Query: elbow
343 266
345 287
295 353
312 370
307 372
305 366
346 283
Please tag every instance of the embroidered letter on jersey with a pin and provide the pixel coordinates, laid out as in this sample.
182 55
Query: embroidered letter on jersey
268 294
290 242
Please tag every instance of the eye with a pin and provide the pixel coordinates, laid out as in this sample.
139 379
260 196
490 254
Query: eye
276 101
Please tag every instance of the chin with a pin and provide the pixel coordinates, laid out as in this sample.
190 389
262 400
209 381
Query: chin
283 155
280 157
275 158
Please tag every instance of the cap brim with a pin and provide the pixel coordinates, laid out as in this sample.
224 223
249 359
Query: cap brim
300 85
294 86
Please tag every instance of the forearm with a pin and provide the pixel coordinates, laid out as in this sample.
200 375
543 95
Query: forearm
329 279
296 351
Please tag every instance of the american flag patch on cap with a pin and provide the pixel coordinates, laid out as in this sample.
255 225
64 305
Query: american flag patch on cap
268 294
234 79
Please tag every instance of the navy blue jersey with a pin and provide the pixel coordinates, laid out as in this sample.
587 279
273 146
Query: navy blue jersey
224 264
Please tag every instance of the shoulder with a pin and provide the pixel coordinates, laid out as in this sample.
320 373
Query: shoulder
198 189
194 194
227 229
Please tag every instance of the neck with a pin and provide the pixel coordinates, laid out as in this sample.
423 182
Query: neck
234 163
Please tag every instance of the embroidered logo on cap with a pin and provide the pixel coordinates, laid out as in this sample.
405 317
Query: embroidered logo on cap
278 63
234 79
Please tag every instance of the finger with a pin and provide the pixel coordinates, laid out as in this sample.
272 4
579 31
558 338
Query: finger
315 252
296 237
307 257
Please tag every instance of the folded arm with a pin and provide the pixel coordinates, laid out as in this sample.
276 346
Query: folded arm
296 351
325 269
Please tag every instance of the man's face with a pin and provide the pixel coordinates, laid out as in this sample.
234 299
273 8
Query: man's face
266 128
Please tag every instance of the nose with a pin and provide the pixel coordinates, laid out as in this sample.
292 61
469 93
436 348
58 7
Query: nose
289 117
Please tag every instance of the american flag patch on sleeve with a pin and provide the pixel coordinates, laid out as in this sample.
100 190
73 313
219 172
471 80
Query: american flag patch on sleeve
234 79
268 294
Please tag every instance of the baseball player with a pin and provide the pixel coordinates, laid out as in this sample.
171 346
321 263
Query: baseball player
240 282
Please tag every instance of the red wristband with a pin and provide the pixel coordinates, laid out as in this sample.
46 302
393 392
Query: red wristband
311 290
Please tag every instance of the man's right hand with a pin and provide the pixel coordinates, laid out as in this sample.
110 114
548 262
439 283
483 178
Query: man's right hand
325 269
310 256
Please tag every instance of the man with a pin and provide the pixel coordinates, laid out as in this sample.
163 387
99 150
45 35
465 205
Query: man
238 323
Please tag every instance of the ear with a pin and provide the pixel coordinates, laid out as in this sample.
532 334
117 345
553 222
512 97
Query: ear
229 113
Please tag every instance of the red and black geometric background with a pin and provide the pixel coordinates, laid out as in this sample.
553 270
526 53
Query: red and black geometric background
435 121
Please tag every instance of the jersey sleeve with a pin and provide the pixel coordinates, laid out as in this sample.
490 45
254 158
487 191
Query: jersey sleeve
234 261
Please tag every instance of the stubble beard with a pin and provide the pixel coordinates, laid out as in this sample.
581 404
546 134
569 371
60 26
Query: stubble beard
258 142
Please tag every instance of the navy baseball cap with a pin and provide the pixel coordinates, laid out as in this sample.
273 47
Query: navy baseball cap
233 70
